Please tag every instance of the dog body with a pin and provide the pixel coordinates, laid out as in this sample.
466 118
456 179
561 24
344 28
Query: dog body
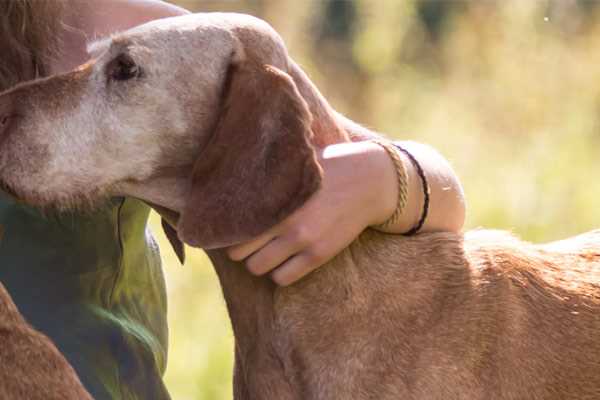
208 119
435 316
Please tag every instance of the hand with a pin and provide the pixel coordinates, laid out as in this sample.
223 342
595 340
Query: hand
358 190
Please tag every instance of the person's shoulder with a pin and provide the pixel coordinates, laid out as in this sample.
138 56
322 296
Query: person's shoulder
146 10
102 18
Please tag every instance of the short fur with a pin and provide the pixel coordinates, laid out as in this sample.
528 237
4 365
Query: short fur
253 150
216 133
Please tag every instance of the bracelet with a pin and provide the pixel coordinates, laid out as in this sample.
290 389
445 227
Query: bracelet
401 176
426 191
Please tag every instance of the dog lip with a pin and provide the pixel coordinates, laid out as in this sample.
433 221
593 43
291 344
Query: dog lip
6 119
6 191
6 125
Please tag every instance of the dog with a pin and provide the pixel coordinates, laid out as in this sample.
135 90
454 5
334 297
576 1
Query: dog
208 119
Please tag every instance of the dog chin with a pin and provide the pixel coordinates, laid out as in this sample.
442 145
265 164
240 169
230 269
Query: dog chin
54 202
8 191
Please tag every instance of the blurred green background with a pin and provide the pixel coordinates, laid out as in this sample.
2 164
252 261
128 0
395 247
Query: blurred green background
507 90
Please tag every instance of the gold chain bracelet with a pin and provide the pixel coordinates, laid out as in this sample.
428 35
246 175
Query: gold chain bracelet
402 179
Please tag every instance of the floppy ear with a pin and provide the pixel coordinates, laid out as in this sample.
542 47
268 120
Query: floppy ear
174 240
168 221
258 166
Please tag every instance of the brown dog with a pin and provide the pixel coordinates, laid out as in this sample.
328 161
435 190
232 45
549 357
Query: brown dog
208 119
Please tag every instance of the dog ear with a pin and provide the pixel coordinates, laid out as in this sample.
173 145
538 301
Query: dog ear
258 166
174 240
168 222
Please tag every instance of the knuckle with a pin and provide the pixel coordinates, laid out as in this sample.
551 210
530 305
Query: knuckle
255 266
281 278
235 254
302 234
316 256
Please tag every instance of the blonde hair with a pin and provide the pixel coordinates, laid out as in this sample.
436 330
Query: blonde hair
28 38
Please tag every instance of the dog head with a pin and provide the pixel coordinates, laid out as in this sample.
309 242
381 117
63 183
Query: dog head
196 115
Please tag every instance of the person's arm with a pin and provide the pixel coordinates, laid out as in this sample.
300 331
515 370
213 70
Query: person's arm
359 190
359 187
102 18
447 203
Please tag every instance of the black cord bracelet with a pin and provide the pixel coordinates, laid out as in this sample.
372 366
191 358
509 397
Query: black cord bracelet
426 191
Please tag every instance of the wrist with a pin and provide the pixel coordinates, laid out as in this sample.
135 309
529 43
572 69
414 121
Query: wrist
383 187
372 184
389 201
370 174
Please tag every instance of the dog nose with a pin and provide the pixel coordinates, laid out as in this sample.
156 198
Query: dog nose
6 113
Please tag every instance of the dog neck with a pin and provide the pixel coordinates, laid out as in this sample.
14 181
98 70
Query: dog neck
327 128
250 299
250 302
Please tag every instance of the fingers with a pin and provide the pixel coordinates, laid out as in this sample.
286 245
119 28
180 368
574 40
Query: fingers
288 257
327 223
275 253
242 251
314 253
297 267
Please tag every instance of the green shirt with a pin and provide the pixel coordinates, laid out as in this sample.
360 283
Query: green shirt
93 283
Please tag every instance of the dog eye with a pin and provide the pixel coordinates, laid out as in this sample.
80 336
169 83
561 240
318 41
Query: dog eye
123 68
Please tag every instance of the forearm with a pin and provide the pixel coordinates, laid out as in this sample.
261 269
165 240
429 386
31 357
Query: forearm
359 189
446 203
446 200
103 18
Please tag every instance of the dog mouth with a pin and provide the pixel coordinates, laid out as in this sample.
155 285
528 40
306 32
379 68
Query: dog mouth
7 125
7 191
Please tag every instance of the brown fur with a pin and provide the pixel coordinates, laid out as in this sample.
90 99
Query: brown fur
254 150
433 316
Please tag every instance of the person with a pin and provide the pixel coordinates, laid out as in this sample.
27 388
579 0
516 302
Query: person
93 282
